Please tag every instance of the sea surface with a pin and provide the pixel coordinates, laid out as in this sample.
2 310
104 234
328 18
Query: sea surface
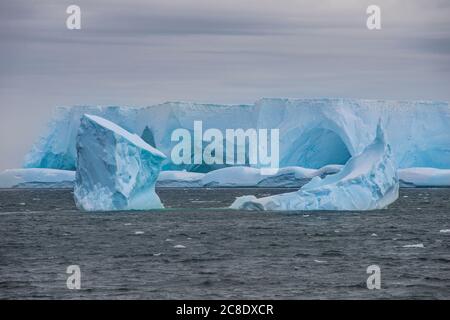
191 251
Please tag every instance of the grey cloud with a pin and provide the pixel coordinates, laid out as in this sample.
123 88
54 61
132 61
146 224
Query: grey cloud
141 52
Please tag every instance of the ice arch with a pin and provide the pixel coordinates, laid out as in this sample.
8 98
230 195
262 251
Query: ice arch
316 148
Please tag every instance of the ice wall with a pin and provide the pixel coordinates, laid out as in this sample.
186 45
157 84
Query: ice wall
313 132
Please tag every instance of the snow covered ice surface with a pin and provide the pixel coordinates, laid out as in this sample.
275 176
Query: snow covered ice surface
36 178
313 132
116 170
368 181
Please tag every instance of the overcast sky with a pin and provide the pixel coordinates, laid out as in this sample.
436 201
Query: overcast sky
223 51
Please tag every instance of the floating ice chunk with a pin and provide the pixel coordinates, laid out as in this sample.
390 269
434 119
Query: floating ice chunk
139 232
244 202
232 177
319 261
444 231
180 179
419 245
368 181
179 246
116 170
36 178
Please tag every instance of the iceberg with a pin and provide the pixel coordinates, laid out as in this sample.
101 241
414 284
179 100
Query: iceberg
36 178
116 170
180 179
289 177
57 147
313 132
424 177
368 181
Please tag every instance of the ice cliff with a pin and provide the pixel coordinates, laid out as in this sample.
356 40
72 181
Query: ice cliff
368 181
116 170
313 132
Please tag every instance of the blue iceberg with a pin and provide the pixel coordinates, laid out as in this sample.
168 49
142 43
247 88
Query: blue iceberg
313 132
368 181
116 170
57 147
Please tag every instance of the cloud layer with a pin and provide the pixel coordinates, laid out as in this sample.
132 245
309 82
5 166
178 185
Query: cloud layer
143 52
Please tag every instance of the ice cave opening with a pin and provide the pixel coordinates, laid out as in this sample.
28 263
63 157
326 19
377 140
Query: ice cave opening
316 148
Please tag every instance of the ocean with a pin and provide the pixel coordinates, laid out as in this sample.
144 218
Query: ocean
198 249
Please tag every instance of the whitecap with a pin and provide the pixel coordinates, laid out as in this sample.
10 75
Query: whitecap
418 245
319 261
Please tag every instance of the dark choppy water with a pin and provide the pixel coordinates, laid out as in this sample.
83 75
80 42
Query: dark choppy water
225 254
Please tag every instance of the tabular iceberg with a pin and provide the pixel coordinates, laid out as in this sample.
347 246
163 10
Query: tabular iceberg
424 177
289 177
368 181
36 178
116 170
313 132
